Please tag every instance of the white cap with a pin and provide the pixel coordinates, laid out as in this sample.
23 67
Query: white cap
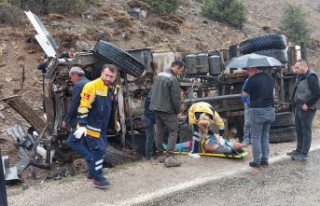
76 70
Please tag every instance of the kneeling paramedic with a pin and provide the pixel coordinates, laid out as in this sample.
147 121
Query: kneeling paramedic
97 108
201 115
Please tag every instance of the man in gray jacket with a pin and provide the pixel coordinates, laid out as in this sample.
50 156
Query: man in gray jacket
305 97
166 104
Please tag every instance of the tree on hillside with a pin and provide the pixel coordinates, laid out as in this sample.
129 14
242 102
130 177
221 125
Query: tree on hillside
293 23
228 11
163 6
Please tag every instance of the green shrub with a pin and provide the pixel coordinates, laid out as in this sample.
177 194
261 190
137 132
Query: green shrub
10 15
47 6
293 23
65 6
227 11
163 6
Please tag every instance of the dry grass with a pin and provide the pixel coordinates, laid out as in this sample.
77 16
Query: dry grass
139 4
21 58
186 49
174 18
188 25
124 21
32 48
142 32
202 46
55 16
66 37
102 14
11 15
165 25
117 32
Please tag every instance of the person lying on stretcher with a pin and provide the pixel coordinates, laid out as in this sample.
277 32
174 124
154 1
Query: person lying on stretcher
211 144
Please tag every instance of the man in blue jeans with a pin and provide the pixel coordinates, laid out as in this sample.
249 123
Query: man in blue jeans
77 76
260 88
247 112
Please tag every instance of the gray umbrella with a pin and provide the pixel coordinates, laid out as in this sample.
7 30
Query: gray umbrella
253 60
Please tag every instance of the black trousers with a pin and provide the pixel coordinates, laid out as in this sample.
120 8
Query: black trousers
303 120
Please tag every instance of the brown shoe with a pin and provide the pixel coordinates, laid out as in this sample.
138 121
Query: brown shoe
162 158
172 161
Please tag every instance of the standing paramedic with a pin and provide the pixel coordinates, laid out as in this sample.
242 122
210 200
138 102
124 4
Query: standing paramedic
305 96
166 104
77 76
260 88
96 114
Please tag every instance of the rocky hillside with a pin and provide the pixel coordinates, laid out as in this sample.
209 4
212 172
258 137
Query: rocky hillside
109 20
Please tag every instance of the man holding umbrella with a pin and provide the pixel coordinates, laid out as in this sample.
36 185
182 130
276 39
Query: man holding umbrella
260 88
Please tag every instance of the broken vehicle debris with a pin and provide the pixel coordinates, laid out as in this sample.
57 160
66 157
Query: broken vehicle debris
206 78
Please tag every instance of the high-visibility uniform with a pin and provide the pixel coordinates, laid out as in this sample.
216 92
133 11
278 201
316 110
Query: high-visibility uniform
96 107
194 113
95 111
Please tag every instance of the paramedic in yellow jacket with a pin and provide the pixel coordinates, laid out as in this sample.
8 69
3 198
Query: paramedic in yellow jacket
201 115
95 115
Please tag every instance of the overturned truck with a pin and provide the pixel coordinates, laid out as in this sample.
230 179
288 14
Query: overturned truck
205 79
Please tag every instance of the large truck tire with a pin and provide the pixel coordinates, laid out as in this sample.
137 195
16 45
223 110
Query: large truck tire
283 119
263 42
285 134
280 54
123 60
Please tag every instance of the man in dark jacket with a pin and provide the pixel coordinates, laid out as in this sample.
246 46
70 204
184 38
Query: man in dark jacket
260 88
77 76
305 96
166 104
148 122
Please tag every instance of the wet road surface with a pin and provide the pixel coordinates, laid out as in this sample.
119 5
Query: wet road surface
288 182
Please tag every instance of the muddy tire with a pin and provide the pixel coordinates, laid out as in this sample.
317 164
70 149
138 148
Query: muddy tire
286 134
123 60
263 42
283 119
115 157
280 54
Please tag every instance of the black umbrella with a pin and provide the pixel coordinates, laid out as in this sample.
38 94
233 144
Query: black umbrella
253 60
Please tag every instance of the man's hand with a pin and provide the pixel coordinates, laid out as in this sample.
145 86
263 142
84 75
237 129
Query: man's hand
305 107
79 132
64 125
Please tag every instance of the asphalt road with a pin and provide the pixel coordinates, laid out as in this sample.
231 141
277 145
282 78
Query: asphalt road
284 183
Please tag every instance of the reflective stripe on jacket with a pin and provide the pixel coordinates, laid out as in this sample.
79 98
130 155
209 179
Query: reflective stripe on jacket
204 107
96 107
